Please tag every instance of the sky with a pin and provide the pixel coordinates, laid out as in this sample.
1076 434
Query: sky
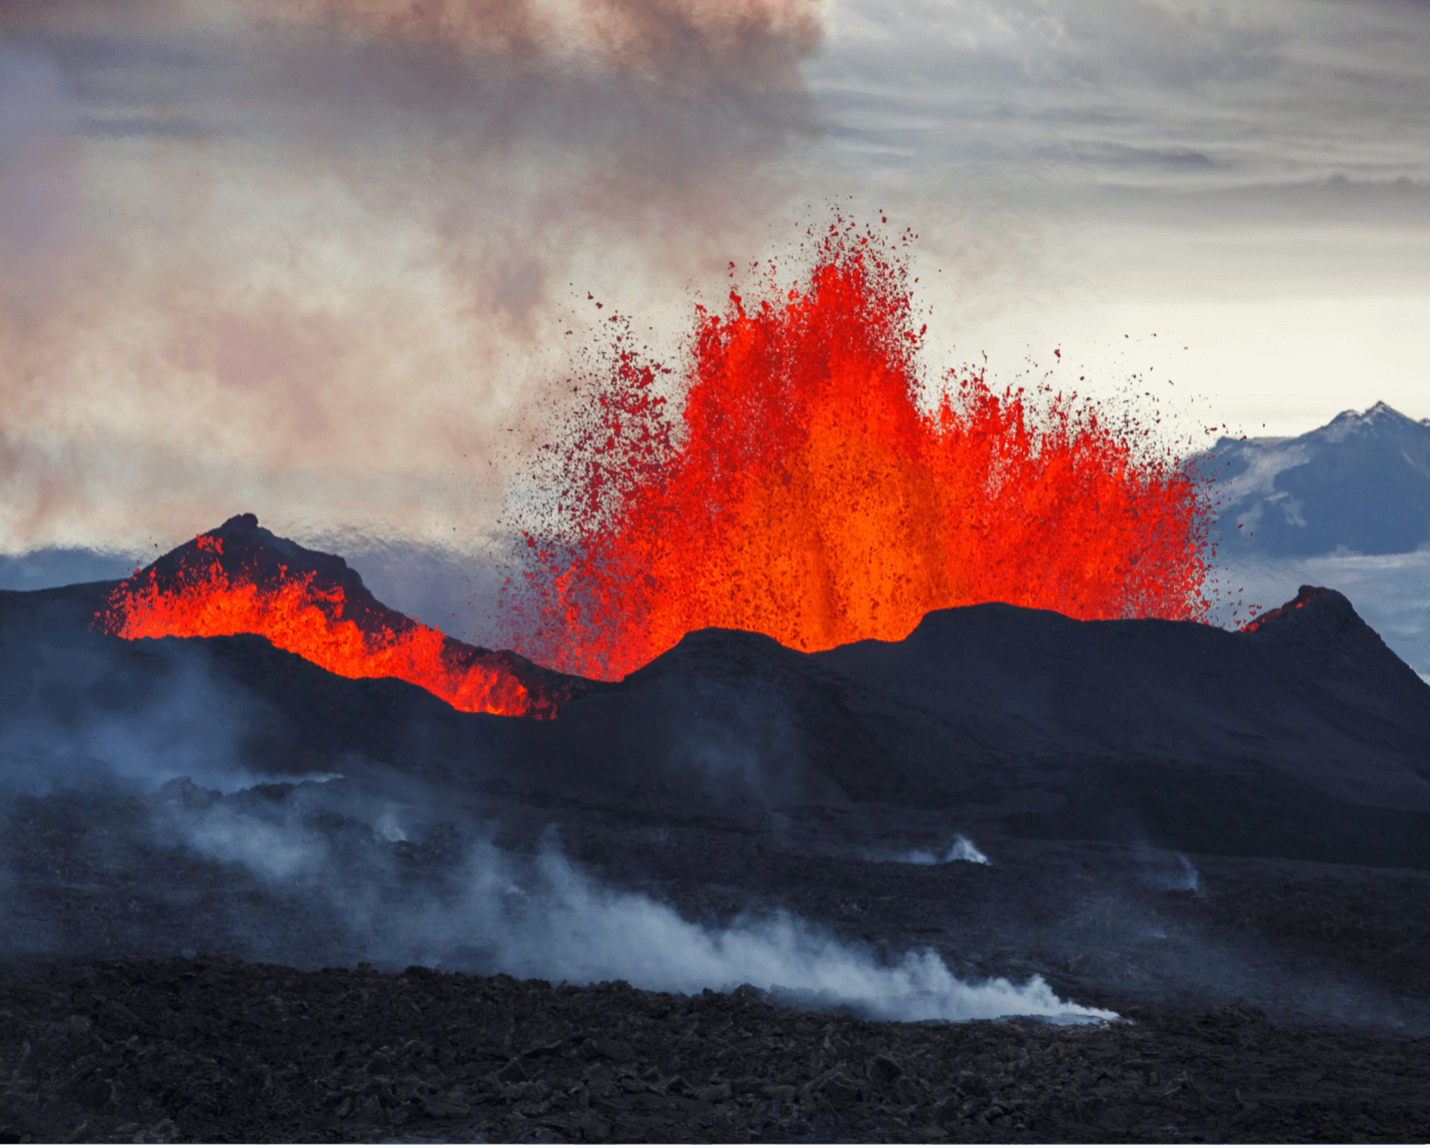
317 260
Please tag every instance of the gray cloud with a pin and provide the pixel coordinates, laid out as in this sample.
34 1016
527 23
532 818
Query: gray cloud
327 248
1280 147
177 127
38 181
1276 92
1250 180
1120 156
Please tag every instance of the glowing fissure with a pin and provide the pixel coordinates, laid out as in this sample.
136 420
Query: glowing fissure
801 492
299 614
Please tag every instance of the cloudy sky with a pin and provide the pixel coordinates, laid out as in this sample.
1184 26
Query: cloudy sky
317 259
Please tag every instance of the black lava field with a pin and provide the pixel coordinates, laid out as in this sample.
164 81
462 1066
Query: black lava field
1013 878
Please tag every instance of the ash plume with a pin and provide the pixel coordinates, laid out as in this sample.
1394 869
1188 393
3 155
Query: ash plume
331 227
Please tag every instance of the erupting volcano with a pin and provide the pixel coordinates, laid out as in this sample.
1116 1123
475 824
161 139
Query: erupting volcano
801 491
241 579
793 485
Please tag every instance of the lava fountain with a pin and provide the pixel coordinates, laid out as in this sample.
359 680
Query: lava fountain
791 483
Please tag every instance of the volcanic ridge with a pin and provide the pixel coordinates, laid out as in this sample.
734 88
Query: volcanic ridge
1195 861
241 578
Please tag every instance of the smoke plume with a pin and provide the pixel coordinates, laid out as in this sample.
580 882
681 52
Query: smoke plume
320 257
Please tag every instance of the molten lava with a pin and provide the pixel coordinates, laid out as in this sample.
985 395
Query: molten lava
1303 595
801 491
207 589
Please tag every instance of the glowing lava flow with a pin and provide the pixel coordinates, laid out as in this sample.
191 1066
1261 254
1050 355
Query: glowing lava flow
196 592
801 492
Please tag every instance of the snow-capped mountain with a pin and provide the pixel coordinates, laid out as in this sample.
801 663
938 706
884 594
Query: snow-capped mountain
1360 484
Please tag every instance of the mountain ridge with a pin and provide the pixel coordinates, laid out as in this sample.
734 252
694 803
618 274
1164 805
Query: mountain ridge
1022 720
1359 484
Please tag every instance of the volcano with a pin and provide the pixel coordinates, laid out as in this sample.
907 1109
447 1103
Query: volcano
241 579
976 703
221 853
797 474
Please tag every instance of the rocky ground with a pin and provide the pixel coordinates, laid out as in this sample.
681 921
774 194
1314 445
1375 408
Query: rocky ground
107 875
1219 838
1274 1001
215 1050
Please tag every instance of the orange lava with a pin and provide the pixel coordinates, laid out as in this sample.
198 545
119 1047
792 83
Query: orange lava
305 618
801 491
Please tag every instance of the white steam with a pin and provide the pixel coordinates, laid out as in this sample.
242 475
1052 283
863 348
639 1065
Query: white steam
588 932
1180 876
190 730
370 877
271 851
388 828
546 918
962 849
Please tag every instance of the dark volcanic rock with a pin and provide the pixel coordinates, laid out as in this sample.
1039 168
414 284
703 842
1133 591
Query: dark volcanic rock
1044 687
1320 637
1305 738
214 1050
1177 818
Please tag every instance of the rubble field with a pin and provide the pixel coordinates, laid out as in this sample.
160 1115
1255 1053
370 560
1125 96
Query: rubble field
217 859
214 1050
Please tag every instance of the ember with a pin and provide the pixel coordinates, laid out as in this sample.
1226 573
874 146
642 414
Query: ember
1303 595
801 491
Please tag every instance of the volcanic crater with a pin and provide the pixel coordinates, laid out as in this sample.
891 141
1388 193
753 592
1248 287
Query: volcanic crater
1179 878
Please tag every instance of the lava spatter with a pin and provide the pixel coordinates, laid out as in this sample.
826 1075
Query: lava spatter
241 579
794 484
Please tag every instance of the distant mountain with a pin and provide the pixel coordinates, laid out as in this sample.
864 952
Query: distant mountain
1361 484
62 566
